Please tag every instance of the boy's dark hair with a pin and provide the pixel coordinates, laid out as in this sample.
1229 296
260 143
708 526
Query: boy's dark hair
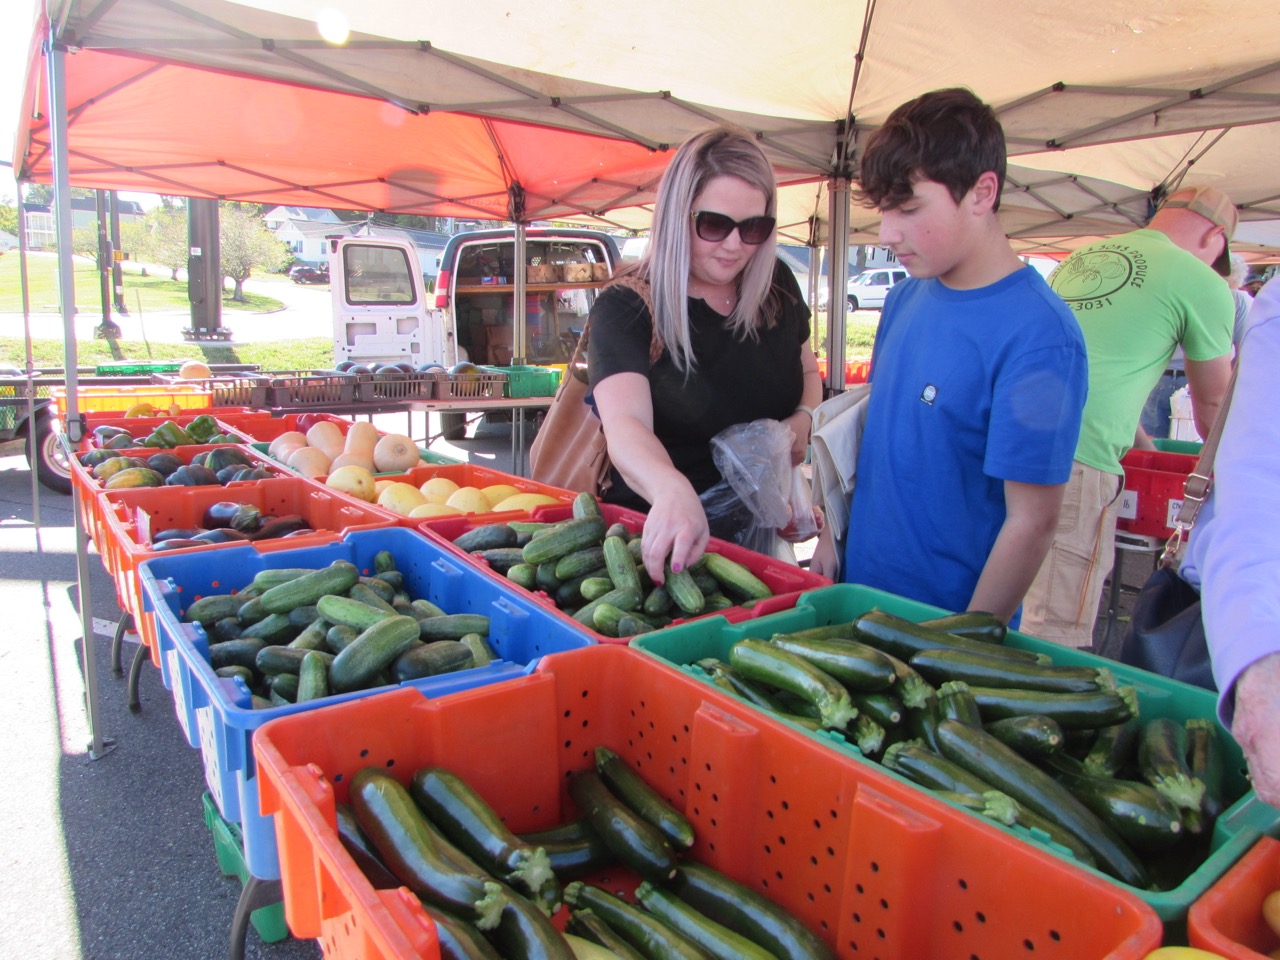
948 136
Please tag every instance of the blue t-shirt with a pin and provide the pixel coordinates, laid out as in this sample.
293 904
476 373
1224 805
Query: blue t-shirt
970 388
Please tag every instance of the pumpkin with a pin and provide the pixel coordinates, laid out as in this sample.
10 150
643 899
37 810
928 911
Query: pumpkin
194 370
395 453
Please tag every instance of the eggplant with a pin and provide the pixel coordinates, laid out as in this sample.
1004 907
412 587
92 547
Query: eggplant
244 517
192 475
220 457
227 474
164 463
273 527
255 473
179 543
221 535
176 533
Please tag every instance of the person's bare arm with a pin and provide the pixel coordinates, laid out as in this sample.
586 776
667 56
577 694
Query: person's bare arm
1031 517
677 525
1256 726
801 423
1207 380
1141 441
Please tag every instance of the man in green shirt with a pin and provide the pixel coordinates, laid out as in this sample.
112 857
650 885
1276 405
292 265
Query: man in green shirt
1137 297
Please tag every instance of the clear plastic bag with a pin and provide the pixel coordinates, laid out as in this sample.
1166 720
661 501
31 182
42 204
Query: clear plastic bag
761 491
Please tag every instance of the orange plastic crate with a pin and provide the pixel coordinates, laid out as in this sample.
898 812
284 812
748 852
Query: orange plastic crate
1227 919
140 427
267 428
1153 482
130 516
873 866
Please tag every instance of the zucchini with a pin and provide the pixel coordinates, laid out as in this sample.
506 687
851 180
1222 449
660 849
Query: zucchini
982 754
984 670
865 734
567 537
856 665
371 652
765 662
643 800
634 841
458 939
586 925
884 708
400 833
361 850
1114 748
339 577
462 815
922 721
992 804
571 831
453 626
974 624
1073 711
1137 812
914 761
487 536
716 939
684 593
313 676
622 569
728 679
956 702
904 639
572 859
736 578
741 908
1032 735
1205 763
432 659
523 930
642 930
1162 761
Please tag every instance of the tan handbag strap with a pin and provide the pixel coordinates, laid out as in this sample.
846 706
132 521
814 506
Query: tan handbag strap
640 286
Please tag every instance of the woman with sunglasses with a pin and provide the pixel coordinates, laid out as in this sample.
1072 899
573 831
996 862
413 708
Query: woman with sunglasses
733 334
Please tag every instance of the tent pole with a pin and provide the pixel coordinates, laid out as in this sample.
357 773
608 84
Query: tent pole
837 279
32 439
56 57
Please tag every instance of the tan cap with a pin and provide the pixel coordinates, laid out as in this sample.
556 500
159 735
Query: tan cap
1216 207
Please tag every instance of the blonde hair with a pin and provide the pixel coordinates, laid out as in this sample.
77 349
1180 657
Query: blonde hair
719 152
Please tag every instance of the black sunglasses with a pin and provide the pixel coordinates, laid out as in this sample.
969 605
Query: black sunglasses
714 227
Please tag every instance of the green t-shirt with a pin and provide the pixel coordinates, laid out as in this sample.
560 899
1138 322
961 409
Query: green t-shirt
1137 297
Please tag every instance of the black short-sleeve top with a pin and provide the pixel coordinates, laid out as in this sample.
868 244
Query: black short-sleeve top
732 381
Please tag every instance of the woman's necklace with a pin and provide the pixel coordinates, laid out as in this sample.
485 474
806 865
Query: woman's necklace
712 300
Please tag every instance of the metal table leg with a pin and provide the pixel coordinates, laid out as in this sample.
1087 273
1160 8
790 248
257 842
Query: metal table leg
124 625
135 673
256 893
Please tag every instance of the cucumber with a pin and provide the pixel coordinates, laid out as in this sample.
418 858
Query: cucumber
1034 736
228 628
622 569
384 561
462 815
271 661
284 688
481 653
251 611
453 626
1205 763
585 506
524 931
235 653
313 676
371 652
741 908
974 624
312 636
982 754
459 940
1114 748
425 608
984 670
1073 711
400 833
523 575
586 925
684 593
657 601
338 637
765 662
856 665
567 537
382 587
1162 760
582 562
361 850
569 593
642 930
501 559
1137 812
622 599
244 673
605 617
593 588
432 659
274 628
717 940
634 841
264 580
339 577
487 536
213 608
904 639
363 593
735 578
630 625
643 800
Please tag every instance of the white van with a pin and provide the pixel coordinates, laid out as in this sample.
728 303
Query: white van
869 288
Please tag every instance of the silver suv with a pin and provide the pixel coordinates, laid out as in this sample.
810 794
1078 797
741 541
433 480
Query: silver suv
869 288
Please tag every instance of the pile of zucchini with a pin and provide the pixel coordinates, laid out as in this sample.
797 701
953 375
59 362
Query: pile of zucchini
593 572
297 634
492 893
1001 731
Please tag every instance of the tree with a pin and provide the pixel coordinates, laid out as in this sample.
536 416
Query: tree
246 243
8 216
43 193
84 243
166 242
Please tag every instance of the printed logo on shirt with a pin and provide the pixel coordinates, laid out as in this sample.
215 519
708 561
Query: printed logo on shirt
1086 281
929 394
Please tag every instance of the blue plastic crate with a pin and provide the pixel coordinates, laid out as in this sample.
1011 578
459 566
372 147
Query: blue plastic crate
1236 830
216 713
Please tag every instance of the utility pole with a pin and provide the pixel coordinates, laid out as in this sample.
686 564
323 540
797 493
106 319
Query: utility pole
108 329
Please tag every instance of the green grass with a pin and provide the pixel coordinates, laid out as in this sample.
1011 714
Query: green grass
154 293
315 353
859 333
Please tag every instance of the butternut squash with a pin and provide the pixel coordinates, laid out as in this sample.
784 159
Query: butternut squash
362 437
326 436
350 460
309 461
395 453
289 440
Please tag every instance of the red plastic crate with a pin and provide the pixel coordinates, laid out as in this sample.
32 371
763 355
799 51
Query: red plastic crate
131 515
785 580
1153 482
140 427
464 475
1227 919
267 428
873 866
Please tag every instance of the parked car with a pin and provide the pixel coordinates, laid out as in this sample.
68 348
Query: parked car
306 273
869 288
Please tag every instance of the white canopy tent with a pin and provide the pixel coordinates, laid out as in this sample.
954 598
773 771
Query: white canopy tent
537 112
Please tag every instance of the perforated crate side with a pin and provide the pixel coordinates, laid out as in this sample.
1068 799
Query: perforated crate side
312 388
469 387
398 385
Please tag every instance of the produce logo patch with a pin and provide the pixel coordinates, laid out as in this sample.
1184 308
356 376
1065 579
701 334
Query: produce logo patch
1099 274
929 394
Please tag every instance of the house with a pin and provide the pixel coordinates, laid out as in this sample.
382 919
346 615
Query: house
305 238
8 241
276 217
39 223
429 245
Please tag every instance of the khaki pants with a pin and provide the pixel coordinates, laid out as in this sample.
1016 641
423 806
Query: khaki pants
1062 603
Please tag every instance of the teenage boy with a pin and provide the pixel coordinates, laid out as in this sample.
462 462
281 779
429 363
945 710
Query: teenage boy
978 377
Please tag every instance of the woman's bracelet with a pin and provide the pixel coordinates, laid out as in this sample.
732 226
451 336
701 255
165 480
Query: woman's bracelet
803 409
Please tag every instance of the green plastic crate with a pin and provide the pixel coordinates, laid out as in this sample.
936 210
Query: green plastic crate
229 847
1236 831
529 381
134 368
1178 446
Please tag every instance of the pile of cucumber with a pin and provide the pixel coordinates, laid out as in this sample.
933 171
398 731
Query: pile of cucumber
593 572
1001 731
493 894
297 634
